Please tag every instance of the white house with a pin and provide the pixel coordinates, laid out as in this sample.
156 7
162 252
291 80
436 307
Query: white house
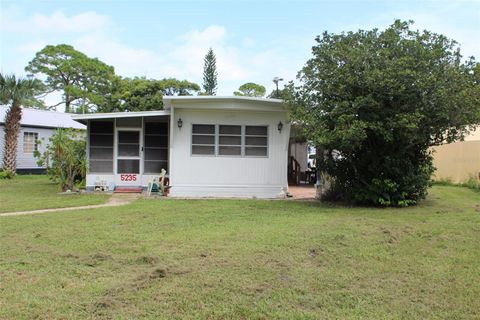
36 125
211 146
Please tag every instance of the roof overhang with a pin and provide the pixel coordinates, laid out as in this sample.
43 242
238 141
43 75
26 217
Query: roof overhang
224 103
83 118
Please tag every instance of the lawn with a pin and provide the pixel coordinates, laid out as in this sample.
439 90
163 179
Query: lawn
245 259
32 192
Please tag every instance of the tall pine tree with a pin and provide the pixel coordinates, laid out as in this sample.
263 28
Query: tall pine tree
210 73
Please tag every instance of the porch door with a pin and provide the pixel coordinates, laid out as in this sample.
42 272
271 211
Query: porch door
128 156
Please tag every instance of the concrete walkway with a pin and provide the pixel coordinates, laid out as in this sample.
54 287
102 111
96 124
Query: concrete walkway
115 200
302 192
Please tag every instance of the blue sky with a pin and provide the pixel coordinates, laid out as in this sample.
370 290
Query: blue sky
254 40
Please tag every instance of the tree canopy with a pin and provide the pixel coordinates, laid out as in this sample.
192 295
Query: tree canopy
141 94
210 74
375 101
85 82
250 89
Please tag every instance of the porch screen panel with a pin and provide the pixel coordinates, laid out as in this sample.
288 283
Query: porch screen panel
128 143
155 147
101 147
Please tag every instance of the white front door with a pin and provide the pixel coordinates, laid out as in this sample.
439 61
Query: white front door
128 157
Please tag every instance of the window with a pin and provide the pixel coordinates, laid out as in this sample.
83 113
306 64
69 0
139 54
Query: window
30 142
230 140
256 141
203 139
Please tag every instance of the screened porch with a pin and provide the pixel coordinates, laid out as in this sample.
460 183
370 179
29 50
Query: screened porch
128 146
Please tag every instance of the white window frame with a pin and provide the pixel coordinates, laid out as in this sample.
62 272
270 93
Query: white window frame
33 144
217 140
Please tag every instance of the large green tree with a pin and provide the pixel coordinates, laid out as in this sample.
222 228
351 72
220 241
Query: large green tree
15 92
375 101
85 83
141 94
210 74
250 89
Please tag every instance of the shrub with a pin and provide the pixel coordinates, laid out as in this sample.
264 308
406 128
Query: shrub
65 158
6 174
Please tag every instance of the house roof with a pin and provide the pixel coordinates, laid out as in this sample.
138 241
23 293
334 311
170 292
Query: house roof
43 118
209 102
238 103
111 115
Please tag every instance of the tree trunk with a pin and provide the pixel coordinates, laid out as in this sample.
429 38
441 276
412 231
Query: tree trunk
67 103
12 129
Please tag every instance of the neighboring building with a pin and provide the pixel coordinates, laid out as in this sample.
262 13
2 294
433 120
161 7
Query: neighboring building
210 146
35 125
458 161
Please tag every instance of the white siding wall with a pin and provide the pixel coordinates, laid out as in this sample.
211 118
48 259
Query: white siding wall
27 160
228 176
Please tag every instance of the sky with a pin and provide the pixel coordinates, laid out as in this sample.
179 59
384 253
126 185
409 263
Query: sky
254 41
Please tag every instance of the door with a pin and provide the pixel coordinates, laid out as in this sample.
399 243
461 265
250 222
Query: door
128 157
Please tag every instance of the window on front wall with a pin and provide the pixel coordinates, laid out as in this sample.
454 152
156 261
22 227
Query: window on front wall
256 141
230 140
203 139
30 144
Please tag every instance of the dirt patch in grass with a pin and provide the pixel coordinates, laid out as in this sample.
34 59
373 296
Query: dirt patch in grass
147 260
147 278
389 236
113 299
96 259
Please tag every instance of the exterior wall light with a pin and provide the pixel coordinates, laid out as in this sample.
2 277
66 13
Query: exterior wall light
180 123
280 126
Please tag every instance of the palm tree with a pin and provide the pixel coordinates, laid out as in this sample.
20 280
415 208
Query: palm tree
14 92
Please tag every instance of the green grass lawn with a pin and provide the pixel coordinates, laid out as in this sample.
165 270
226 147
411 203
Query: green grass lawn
245 259
32 192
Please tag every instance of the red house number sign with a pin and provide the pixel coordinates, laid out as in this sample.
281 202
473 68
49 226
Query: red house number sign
128 177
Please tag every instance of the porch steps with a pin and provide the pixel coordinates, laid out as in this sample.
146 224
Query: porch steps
128 190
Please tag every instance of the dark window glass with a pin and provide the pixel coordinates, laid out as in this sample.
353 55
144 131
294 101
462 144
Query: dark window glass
203 150
230 140
229 151
256 141
128 166
203 128
201 139
256 130
230 129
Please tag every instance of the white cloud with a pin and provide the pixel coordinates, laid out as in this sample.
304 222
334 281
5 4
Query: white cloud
11 20
127 61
